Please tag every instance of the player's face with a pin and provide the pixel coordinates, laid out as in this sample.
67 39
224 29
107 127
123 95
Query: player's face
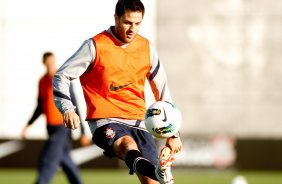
50 64
127 26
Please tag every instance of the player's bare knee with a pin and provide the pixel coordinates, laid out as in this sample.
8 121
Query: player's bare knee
123 145
128 143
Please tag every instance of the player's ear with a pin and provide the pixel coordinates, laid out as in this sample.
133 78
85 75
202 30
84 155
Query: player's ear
116 19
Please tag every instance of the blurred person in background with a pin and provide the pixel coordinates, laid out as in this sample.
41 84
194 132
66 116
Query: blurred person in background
113 67
56 151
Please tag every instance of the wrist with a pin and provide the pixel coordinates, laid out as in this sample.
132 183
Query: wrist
177 135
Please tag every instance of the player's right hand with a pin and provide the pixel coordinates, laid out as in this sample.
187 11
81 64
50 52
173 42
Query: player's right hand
71 120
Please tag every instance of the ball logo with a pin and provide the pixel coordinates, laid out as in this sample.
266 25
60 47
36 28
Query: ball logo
165 118
164 130
153 112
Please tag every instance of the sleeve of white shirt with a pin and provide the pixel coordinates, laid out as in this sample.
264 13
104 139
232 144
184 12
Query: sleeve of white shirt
157 77
73 68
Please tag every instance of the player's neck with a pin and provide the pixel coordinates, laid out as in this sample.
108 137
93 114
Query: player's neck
117 37
51 73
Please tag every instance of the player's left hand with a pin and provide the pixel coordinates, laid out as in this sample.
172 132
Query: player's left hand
24 132
174 144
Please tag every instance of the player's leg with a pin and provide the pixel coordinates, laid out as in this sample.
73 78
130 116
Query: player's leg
127 149
68 166
50 155
116 140
162 162
146 180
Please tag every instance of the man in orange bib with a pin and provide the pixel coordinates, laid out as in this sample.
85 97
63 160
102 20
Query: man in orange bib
113 67
56 150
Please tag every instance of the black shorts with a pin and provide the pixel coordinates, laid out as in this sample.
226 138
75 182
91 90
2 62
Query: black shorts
106 135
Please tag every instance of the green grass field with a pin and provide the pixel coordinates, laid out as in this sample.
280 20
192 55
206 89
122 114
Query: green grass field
25 176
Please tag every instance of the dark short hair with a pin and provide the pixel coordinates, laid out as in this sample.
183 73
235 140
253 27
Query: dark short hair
46 55
129 5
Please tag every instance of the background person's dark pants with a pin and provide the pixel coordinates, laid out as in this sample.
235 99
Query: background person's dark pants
56 152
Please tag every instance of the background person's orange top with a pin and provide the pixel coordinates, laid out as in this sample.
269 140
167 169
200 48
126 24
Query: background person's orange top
48 107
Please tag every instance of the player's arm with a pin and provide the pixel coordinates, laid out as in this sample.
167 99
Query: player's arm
71 69
36 113
157 77
174 143
158 82
83 139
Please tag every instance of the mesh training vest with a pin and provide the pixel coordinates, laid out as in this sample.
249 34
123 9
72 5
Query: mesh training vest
114 85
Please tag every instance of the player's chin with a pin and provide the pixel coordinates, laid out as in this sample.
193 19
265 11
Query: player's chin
129 39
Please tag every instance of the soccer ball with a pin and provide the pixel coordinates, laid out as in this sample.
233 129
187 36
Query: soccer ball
163 119
239 180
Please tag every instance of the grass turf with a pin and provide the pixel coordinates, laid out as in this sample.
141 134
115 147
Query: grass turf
27 176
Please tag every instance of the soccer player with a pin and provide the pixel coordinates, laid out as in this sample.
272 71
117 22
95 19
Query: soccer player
56 151
112 67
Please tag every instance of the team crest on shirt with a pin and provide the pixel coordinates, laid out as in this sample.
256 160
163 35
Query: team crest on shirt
110 133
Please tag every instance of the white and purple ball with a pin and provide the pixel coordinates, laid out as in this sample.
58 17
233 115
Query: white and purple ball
163 119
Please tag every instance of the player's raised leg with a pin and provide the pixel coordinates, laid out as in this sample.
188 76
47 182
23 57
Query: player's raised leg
127 149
